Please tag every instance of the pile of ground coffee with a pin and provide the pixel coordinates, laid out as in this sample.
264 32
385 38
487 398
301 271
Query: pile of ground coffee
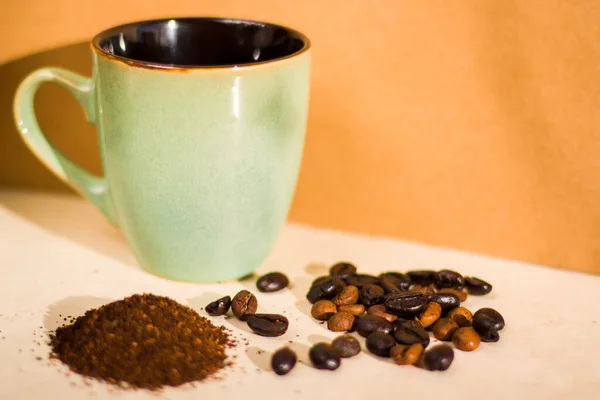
143 341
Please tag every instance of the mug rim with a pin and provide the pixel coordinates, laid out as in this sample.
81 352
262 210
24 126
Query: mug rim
95 42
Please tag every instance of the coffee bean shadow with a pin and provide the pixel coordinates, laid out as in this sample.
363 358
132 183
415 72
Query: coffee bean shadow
63 311
237 324
199 302
314 339
301 351
299 287
317 269
260 357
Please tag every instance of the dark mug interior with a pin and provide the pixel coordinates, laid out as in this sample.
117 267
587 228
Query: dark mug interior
200 42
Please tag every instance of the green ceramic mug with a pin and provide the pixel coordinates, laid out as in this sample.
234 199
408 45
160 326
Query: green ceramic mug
201 125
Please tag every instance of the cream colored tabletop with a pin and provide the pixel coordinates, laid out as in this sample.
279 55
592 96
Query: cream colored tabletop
59 256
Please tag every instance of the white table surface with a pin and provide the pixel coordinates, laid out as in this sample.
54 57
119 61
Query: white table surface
59 256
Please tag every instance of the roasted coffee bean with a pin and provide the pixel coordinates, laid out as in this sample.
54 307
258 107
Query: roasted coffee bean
410 332
448 301
348 295
342 270
477 287
323 357
466 339
355 309
371 295
398 279
461 320
431 313
345 346
270 325
218 307
461 294
243 304
323 310
494 315
381 311
444 328
485 326
341 322
406 354
325 290
427 290
448 279
405 305
359 280
421 277
389 286
283 361
272 282
438 358
368 324
320 279
462 316
380 343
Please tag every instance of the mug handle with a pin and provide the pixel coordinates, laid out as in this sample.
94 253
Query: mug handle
91 187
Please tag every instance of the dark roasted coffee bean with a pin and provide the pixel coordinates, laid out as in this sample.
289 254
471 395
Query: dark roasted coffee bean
381 311
345 346
410 332
461 320
325 290
380 343
444 328
342 270
243 304
398 279
341 322
368 324
348 295
272 282
448 301
431 313
466 339
323 357
359 280
405 305
421 277
438 358
477 287
448 279
462 316
494 315
355 309
371 295
218 307
270 325
283 361
406 354
320 279
485 326
323 310
390 287
461 294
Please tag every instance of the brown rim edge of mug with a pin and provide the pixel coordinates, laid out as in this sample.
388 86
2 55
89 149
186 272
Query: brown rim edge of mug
95 44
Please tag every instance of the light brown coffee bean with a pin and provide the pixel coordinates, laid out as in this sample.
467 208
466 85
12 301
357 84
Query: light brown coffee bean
444 328
462 312
354 309
406 354
381 311
340 322
431 313
323 310
348 296
461 294
243 304
466 339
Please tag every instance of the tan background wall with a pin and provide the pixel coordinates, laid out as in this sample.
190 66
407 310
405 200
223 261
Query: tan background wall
470 124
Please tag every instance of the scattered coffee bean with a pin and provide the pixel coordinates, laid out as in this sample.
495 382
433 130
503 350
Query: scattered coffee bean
345 346
270 325
359 280
461 321
448 301
342 270
341 322
355 309
371 294
325 290
380 343
323 357
494 315
410 332
218 307
323 310
406 354
448 279
368 324
461 294
381 311
431 313
466 339
397 279
485 326
243 304
405 305
283 361
347 296
421 277
444 328
477 287
320 279
272 282
462 314
390 287
438 358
